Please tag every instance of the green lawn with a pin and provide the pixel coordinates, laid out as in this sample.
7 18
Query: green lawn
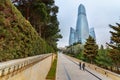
52 73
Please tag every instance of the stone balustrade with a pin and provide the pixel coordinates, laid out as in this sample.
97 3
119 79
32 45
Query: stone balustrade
17 64
107 73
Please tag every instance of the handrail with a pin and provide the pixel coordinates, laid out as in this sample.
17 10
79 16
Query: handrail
107 73
14 65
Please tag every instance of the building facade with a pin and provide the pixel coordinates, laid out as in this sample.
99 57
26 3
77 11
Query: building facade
72 36
82 29
92 33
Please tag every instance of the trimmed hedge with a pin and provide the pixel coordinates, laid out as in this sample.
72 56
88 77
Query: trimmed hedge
18 39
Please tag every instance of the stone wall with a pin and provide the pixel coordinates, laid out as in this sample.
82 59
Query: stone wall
32 68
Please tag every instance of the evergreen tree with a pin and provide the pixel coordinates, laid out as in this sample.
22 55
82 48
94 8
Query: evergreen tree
81 56
42 14
115 47
18 39
90 49
102 58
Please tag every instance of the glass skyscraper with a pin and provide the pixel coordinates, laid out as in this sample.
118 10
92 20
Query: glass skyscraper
92 33
72 36
82 30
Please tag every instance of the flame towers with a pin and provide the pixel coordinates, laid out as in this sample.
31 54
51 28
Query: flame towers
82 30
72 36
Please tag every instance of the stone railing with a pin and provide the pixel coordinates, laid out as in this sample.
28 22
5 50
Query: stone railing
17 64
107 73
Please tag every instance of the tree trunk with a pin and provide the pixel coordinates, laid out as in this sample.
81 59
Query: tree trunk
27 14
39 30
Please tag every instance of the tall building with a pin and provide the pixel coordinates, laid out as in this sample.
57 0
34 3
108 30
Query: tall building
82 30
72 36
92 33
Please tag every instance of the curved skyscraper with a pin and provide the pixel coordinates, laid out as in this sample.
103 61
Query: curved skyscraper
72 36
92 33
82 28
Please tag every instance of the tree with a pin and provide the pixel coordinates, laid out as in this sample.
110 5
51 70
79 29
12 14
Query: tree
42 14
115 47
18 38
102 58
35 11
90 49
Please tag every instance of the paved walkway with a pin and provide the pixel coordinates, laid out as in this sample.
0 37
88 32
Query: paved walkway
69 70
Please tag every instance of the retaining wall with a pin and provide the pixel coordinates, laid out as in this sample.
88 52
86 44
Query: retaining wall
31 68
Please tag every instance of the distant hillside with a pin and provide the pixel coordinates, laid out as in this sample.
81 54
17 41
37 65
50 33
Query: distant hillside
18 38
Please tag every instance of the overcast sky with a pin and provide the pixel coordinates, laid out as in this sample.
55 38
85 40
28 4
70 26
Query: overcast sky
100 13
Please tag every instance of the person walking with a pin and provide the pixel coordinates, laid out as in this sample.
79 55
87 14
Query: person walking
83 66
80 65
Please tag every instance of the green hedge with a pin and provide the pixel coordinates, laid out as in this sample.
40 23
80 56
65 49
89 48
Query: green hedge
18 38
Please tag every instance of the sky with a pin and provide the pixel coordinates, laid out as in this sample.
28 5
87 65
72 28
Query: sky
100 13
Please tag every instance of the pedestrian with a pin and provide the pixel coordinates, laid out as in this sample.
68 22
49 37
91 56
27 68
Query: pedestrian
83 66
80 65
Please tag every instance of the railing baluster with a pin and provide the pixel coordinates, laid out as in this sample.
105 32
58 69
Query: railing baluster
10 68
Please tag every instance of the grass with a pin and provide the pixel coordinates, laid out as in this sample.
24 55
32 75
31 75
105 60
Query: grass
52 72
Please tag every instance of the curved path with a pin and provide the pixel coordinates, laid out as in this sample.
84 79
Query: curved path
69 70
